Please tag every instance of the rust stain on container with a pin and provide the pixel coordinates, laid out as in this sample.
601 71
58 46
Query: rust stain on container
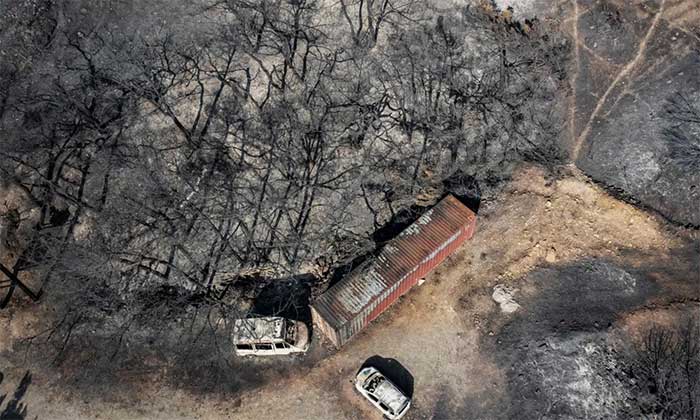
348 306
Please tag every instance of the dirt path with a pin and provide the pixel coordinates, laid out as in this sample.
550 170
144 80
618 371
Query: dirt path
623 73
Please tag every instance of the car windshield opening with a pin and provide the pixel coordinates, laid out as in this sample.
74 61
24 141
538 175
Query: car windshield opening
374 382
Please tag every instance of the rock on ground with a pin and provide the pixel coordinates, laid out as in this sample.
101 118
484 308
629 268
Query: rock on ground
503 295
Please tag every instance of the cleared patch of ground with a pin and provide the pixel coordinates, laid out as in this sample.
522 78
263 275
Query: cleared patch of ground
538 239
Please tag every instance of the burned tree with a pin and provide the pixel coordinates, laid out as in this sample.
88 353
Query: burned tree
683 135
173 172
64 131
665 365
366 18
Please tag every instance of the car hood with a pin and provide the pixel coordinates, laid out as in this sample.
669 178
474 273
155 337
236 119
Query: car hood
391 396
302 336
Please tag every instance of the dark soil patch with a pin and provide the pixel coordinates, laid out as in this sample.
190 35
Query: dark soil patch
565 312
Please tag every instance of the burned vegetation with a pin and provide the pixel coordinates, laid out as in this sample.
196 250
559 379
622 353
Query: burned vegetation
664 364
162 168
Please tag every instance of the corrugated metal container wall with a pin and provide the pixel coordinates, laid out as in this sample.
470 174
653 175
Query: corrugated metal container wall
347 307
321 324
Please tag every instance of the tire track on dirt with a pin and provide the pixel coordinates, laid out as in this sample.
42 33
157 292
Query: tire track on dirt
574 76
626 71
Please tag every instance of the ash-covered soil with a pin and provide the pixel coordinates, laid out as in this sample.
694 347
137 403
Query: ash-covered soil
556 352
633 60
579 270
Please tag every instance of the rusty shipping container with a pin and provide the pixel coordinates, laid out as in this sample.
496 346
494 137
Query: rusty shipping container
348 306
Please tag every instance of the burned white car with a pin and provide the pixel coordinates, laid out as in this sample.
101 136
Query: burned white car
382 393
269 336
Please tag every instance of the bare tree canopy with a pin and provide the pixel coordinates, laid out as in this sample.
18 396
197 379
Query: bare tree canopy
665 366
160 166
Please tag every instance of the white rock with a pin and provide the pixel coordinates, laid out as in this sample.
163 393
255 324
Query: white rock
509 307
503 295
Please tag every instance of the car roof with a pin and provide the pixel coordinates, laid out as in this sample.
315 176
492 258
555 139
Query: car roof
255 330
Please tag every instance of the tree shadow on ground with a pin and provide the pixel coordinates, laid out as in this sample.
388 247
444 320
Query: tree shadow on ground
465 188
15 408
288 298
394 371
